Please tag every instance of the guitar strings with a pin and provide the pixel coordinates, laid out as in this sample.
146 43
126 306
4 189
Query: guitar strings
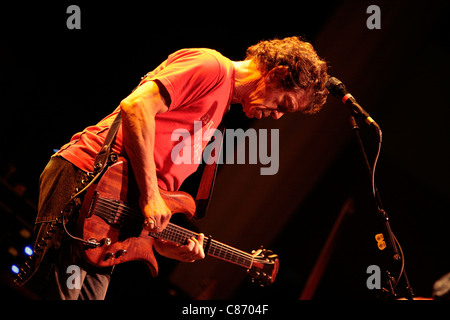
105 206
180 235
217 249
107 210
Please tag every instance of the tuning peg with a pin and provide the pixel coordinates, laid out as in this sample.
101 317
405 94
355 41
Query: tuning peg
256 253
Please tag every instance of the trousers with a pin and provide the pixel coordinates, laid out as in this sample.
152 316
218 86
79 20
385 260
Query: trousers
61 272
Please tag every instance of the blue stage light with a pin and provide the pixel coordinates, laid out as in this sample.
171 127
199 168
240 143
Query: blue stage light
15 269
28 250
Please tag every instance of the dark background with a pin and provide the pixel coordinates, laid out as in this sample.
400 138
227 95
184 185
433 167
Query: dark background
55 81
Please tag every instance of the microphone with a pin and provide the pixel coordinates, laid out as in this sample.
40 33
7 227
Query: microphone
337 89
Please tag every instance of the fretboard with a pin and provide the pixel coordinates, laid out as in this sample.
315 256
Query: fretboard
180 235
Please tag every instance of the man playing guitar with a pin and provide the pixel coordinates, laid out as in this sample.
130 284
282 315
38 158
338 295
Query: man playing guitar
277 77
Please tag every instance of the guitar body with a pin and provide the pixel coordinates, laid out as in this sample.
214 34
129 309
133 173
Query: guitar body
110 216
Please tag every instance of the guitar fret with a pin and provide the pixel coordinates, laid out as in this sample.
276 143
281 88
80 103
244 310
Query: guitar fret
221 251
179 235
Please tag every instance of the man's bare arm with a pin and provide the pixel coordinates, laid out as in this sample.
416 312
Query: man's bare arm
138 113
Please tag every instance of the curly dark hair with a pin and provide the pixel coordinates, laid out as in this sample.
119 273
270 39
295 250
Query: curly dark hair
306 70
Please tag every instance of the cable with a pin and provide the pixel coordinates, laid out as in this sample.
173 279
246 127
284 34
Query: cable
380 139
402 268
379 205
68 208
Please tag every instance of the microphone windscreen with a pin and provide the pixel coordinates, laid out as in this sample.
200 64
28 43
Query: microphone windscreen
336 87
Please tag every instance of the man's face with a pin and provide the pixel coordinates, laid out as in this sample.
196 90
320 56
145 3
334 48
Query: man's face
267 100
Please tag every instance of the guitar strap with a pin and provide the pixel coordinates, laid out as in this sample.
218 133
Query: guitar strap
102 156
207 181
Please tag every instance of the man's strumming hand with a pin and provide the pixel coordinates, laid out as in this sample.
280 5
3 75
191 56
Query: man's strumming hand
156 213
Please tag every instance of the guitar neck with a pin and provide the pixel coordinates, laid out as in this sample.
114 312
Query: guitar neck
180 235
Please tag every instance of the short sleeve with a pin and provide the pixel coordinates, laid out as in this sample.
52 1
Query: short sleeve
188 75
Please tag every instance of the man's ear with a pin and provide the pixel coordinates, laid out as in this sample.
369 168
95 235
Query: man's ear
277 74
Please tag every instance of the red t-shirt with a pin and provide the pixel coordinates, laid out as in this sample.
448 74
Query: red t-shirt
200 83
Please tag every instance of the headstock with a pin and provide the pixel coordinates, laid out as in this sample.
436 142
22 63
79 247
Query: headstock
264 268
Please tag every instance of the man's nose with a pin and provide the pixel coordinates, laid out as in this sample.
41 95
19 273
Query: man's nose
277 114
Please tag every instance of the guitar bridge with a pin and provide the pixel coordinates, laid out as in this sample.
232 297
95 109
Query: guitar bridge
90 211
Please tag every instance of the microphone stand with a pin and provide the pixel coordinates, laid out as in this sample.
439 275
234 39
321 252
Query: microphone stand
394 245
